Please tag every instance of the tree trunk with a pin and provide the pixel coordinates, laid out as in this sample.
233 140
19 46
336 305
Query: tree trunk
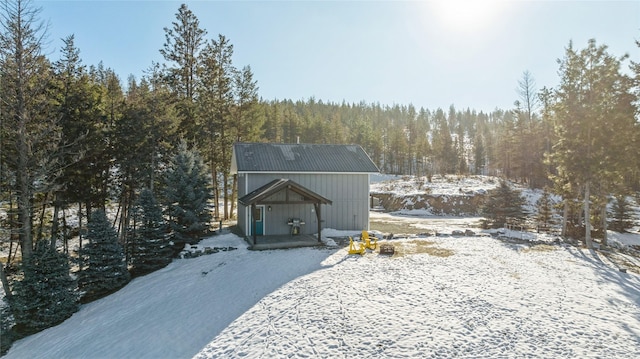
152 175
216 192
234 192
5 283
54 222
42 213
65 233
565 217
80 236
603 215
587 216
225 188
24 196
12 225
88 209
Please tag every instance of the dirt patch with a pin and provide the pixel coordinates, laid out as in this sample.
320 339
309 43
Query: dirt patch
418 246
400 228
626 261
540 248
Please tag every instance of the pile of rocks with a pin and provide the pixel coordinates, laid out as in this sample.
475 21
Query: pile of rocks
195 252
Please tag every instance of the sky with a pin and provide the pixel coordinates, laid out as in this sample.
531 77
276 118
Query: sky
432 54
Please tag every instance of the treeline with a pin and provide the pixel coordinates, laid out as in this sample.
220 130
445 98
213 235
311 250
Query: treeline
580 141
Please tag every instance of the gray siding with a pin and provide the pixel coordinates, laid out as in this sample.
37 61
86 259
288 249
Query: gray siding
349 193
242 210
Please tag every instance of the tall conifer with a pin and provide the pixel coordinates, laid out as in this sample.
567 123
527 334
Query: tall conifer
151 247
105 269
186 197
46 295
594 115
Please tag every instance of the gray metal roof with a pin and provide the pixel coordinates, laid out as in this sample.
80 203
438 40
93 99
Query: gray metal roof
271 157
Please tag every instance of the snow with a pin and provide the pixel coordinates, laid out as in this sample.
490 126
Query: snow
488 299
455 297
449 185
623 239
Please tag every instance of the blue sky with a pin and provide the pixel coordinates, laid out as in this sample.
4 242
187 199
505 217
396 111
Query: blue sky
431 54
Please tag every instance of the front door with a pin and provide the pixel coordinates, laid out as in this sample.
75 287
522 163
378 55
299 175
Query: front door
259 220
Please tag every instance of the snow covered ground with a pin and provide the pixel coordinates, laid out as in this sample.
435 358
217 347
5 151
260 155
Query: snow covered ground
439 297
455 297
441 185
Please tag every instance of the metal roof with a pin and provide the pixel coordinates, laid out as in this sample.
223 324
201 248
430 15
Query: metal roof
271 157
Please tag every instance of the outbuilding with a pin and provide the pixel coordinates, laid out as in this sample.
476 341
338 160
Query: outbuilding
295 190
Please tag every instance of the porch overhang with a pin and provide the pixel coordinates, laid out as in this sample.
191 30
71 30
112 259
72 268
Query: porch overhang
261 196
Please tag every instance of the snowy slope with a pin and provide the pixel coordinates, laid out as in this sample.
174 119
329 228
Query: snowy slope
174 312
439 185
486 299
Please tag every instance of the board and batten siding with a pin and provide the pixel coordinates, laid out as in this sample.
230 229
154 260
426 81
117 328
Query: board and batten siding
349 193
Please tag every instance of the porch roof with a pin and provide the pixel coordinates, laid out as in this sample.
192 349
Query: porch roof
260 194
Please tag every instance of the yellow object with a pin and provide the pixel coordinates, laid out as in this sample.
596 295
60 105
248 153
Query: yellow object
367 241
353 250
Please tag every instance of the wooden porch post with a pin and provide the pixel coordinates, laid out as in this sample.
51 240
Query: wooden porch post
318 205
253 223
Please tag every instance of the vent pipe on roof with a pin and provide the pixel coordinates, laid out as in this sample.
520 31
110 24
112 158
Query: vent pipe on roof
297 140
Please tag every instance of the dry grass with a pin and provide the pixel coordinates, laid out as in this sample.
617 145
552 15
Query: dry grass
540 248
417 246
622 262
394 227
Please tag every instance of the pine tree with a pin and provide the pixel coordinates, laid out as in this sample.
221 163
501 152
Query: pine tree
621 214
145 129
186 197
593 106
502 203
545 209
84 136
248 123
215 104
151 247
30 130
183 43
105 269
46 294
443 146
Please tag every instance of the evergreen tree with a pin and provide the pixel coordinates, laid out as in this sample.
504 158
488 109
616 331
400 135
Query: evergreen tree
30 133
186 197
248 123
7 334
479 154
105 269
184 41
151 247
593 106
502 203
621 214
84 135
215 103
443 146
145 130
545 209
46 295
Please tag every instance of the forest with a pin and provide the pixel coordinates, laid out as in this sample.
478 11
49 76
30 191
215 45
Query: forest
76 137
